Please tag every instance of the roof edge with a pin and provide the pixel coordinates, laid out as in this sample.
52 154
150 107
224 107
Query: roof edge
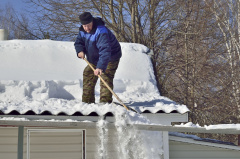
192 141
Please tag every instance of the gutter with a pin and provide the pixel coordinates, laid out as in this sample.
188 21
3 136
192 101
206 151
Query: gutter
111 125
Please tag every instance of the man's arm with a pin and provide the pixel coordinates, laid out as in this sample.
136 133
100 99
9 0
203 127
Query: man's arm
80 46
104 48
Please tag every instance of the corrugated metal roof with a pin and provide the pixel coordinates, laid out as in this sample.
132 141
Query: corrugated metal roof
91 112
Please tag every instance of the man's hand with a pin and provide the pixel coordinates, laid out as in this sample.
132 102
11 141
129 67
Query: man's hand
81 55
98 72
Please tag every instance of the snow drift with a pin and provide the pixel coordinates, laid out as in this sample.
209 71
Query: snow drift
38 73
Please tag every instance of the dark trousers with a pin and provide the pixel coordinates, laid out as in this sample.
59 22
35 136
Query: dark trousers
90 80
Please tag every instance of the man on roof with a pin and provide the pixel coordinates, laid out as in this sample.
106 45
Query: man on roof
103 51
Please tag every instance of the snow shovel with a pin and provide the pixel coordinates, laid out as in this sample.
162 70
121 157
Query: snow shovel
109 88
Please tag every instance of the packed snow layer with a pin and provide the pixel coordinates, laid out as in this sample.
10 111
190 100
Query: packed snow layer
42 75
57 60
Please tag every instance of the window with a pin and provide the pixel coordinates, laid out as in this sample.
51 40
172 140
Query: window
56 143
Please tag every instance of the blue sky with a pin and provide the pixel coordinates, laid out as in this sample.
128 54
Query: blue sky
19 5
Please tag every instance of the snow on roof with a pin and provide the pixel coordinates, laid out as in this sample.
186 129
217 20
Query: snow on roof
44 77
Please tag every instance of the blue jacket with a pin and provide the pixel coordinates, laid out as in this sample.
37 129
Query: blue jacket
100 45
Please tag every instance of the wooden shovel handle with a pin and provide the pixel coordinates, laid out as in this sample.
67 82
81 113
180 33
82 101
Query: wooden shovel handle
109 88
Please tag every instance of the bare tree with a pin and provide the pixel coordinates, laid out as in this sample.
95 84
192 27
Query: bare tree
195 45
226 14
17 24
201 62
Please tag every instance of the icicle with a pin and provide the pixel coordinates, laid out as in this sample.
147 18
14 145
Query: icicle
129 142
129 139
103 136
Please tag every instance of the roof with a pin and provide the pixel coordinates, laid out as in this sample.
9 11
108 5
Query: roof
43 78
95 110
196 138
193 139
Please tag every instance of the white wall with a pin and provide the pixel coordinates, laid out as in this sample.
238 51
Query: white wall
54 145
8 142
3 34
181 150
